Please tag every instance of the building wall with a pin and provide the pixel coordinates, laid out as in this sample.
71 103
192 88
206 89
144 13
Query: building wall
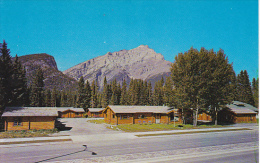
136 118
204 117
42 123
30 123
240 118
148 118
227 116
108 116
96 114
165 118
70 114
124 119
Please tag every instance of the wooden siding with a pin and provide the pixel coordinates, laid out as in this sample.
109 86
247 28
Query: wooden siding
227 116
70 114
123 119
164 118
136 118
30 123
108 115
95 114
148 118
240 118
204 117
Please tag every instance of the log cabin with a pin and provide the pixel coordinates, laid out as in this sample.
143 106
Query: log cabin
204 117
238 112
95 112
117 114
29 118
70 112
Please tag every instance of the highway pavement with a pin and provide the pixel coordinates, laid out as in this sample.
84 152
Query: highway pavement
228 146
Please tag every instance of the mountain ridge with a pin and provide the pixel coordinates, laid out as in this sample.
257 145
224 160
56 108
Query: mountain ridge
53 78
141 62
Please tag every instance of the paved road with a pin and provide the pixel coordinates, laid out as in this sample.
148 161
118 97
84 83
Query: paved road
152 149
81 126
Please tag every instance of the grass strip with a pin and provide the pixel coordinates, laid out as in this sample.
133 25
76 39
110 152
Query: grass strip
192 132
34 141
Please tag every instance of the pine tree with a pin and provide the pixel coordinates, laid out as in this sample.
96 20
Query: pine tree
105 94
150 94
82 94
244 91
255 91
47 101
168 92
94 92
114 89
124 97
144 93
54 97
118 94
63 99
37 94
6 71
18 85
88 96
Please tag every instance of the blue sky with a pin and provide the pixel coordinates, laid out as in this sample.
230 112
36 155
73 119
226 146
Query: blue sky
74 31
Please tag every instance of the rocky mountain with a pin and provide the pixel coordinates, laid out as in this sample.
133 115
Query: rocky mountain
138 63
53 77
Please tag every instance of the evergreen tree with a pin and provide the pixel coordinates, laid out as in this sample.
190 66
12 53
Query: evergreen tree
37 94
63 99
84 94
168 92
18 85
47 101
105 94
114 89
124 97
150 94
6 71
94 92
88 96
144 93
99 100
244 91
54 97
118 94
130 92
255 91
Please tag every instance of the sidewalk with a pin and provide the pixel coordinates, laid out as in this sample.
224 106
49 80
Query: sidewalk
11 142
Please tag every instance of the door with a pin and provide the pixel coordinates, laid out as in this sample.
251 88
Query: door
157 118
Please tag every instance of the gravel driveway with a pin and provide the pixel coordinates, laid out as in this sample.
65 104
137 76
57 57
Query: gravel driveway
81 126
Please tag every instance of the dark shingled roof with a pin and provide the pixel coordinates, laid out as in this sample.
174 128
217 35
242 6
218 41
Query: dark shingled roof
29 111
95 109
242 108
140 109
62 109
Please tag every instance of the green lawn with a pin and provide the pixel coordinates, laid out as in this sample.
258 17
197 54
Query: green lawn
98 121
158 127
26 134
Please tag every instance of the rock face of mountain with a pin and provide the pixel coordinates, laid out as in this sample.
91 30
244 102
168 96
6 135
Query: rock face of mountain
53 78
139 63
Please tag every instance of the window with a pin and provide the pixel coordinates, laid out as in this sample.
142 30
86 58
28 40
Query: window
17 122
124 117
141 116
113 115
